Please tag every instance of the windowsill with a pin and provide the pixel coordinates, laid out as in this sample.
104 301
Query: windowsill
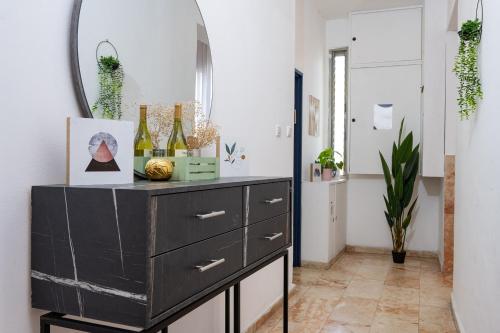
338 180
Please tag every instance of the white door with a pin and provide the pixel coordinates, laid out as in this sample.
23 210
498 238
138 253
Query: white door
381 96
386 36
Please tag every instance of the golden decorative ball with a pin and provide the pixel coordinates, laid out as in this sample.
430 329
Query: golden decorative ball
159 169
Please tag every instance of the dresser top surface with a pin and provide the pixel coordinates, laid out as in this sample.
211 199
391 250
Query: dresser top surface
155 188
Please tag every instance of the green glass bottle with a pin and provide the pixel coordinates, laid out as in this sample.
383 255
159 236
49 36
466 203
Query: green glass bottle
143 145
177 145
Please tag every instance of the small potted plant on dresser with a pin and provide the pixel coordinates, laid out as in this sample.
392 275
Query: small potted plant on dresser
400 180
328 165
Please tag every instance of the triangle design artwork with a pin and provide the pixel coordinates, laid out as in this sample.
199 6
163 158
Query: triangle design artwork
102 160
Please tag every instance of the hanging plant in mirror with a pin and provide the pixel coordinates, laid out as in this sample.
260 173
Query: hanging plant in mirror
466 68
110 75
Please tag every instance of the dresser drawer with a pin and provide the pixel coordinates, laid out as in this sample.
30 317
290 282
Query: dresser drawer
266 201
185 218
266 237
182 273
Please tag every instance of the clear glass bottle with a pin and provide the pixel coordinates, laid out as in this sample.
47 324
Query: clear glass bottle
177 144
143 146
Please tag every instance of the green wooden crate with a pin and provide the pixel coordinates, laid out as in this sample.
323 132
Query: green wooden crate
195 168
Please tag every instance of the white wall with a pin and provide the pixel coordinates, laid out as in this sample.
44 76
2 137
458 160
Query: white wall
312 62
338 32
477 251
434 79
452 117
253 45
159 67
367 226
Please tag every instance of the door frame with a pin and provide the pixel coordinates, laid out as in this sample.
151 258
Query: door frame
297 168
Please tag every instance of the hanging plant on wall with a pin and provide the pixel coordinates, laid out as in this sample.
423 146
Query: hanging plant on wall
110 74
466 67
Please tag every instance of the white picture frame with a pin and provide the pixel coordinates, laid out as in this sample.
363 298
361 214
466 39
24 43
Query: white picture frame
314 116
99 152
315 172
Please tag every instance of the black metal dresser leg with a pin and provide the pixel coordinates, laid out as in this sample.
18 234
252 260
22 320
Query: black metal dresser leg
227 315
237 309
285 293
44 327
165 330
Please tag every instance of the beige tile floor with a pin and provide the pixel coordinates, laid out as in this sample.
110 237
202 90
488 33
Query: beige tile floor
364 293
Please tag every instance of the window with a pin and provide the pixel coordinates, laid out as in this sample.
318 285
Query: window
338 103
204 72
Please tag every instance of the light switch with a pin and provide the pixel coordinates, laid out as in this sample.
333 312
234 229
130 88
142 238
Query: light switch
289 131
277 131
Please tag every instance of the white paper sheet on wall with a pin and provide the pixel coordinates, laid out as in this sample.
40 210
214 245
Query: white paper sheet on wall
382 116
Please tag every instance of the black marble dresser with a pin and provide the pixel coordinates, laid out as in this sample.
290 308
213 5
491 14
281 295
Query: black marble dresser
136 254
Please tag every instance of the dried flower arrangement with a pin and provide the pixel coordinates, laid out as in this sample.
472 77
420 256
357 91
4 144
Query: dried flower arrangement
199 130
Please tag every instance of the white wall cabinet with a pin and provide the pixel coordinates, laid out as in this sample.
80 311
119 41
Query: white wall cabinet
386 36
385 83
324 217
399 86
394 54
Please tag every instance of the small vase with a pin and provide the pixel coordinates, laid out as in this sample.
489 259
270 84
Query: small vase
194 152
327 174
159 153
398 257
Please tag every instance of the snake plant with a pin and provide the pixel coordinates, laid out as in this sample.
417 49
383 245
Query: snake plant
400 180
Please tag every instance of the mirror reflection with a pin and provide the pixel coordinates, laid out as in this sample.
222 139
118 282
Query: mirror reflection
144 55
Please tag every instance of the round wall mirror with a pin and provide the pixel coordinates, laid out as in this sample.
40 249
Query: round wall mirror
129 55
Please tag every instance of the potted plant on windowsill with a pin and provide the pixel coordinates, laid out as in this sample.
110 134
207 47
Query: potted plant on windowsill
328 165
400 180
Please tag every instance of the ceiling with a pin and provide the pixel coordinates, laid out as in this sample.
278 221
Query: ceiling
331 9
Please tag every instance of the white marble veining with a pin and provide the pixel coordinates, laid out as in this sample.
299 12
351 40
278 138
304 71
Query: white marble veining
247 204
118 230
88 286
79 296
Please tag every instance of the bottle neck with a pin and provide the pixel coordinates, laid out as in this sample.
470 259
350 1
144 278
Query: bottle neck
143 124
177 122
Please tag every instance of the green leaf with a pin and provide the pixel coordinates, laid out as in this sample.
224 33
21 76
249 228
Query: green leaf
389 220
407 220
405 149
388 205
412 163
399 184
233 148
228 150
401 131
395 159
385 168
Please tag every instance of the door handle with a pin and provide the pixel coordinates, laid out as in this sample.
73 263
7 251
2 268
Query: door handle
273 237
273 201
211 215
213 263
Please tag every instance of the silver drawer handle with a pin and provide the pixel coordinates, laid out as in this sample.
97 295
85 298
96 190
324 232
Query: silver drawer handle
273 237
210 215
213 263
273 201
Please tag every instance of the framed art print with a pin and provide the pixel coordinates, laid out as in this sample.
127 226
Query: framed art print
315 172
314 117
99 152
